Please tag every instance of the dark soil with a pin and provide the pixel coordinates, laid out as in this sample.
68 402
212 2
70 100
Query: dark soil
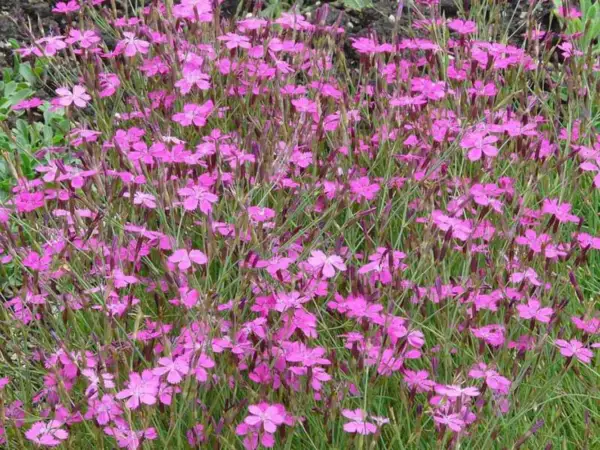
16 15
15 18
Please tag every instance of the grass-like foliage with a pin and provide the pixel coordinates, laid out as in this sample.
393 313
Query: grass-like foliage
259 233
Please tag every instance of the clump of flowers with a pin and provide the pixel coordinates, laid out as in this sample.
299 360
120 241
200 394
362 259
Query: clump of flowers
248 242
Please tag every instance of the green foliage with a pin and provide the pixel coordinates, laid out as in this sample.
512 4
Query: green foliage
357 5
23 134
588 24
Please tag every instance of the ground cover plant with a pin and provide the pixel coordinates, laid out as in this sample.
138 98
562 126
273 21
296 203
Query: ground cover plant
249 237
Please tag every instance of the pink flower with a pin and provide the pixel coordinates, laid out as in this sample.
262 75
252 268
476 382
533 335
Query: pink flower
452 421
204 362
492 334
49 434
195 435
193 77
306 356
109 82
462 26
327 264
358 423
194 114
418 380
532 310
562 211
104 410
128 438
260 214
28 104
51 45
140 389
79 96
184 259
269 416
456 391
131 45
36 262
175 369
146 200
198 197
493 379
85 38
66 7
589 166
478 144
529 275
461 229
233 40
574 348
362 188
293 300
305 105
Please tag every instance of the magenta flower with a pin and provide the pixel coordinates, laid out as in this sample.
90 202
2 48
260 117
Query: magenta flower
204 362
194 114
461 229
533 310
479 143
562 211
463 26
193 77
265 415
233 40
305 105
140 389
328 264
418 380
175 369
456 391
36 262
574 348
66 7
362 188
104 410
358 423
49 434
79 96
109 82
131 45
184 259
452 421
492 334
260 214
198 197
85 38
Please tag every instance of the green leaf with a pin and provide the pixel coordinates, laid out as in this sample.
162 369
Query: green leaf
9 88
27 74
357 4
19 95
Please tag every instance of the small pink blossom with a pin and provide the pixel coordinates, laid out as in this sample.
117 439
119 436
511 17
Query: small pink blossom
533 310
265 415
184 259
79 96
260 214
175 369
49 434
140 389
358 422
327 264
574 348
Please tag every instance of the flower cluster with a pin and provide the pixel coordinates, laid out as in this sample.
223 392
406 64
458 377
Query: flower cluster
246 242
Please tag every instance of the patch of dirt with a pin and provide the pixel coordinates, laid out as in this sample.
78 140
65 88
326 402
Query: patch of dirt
15 17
